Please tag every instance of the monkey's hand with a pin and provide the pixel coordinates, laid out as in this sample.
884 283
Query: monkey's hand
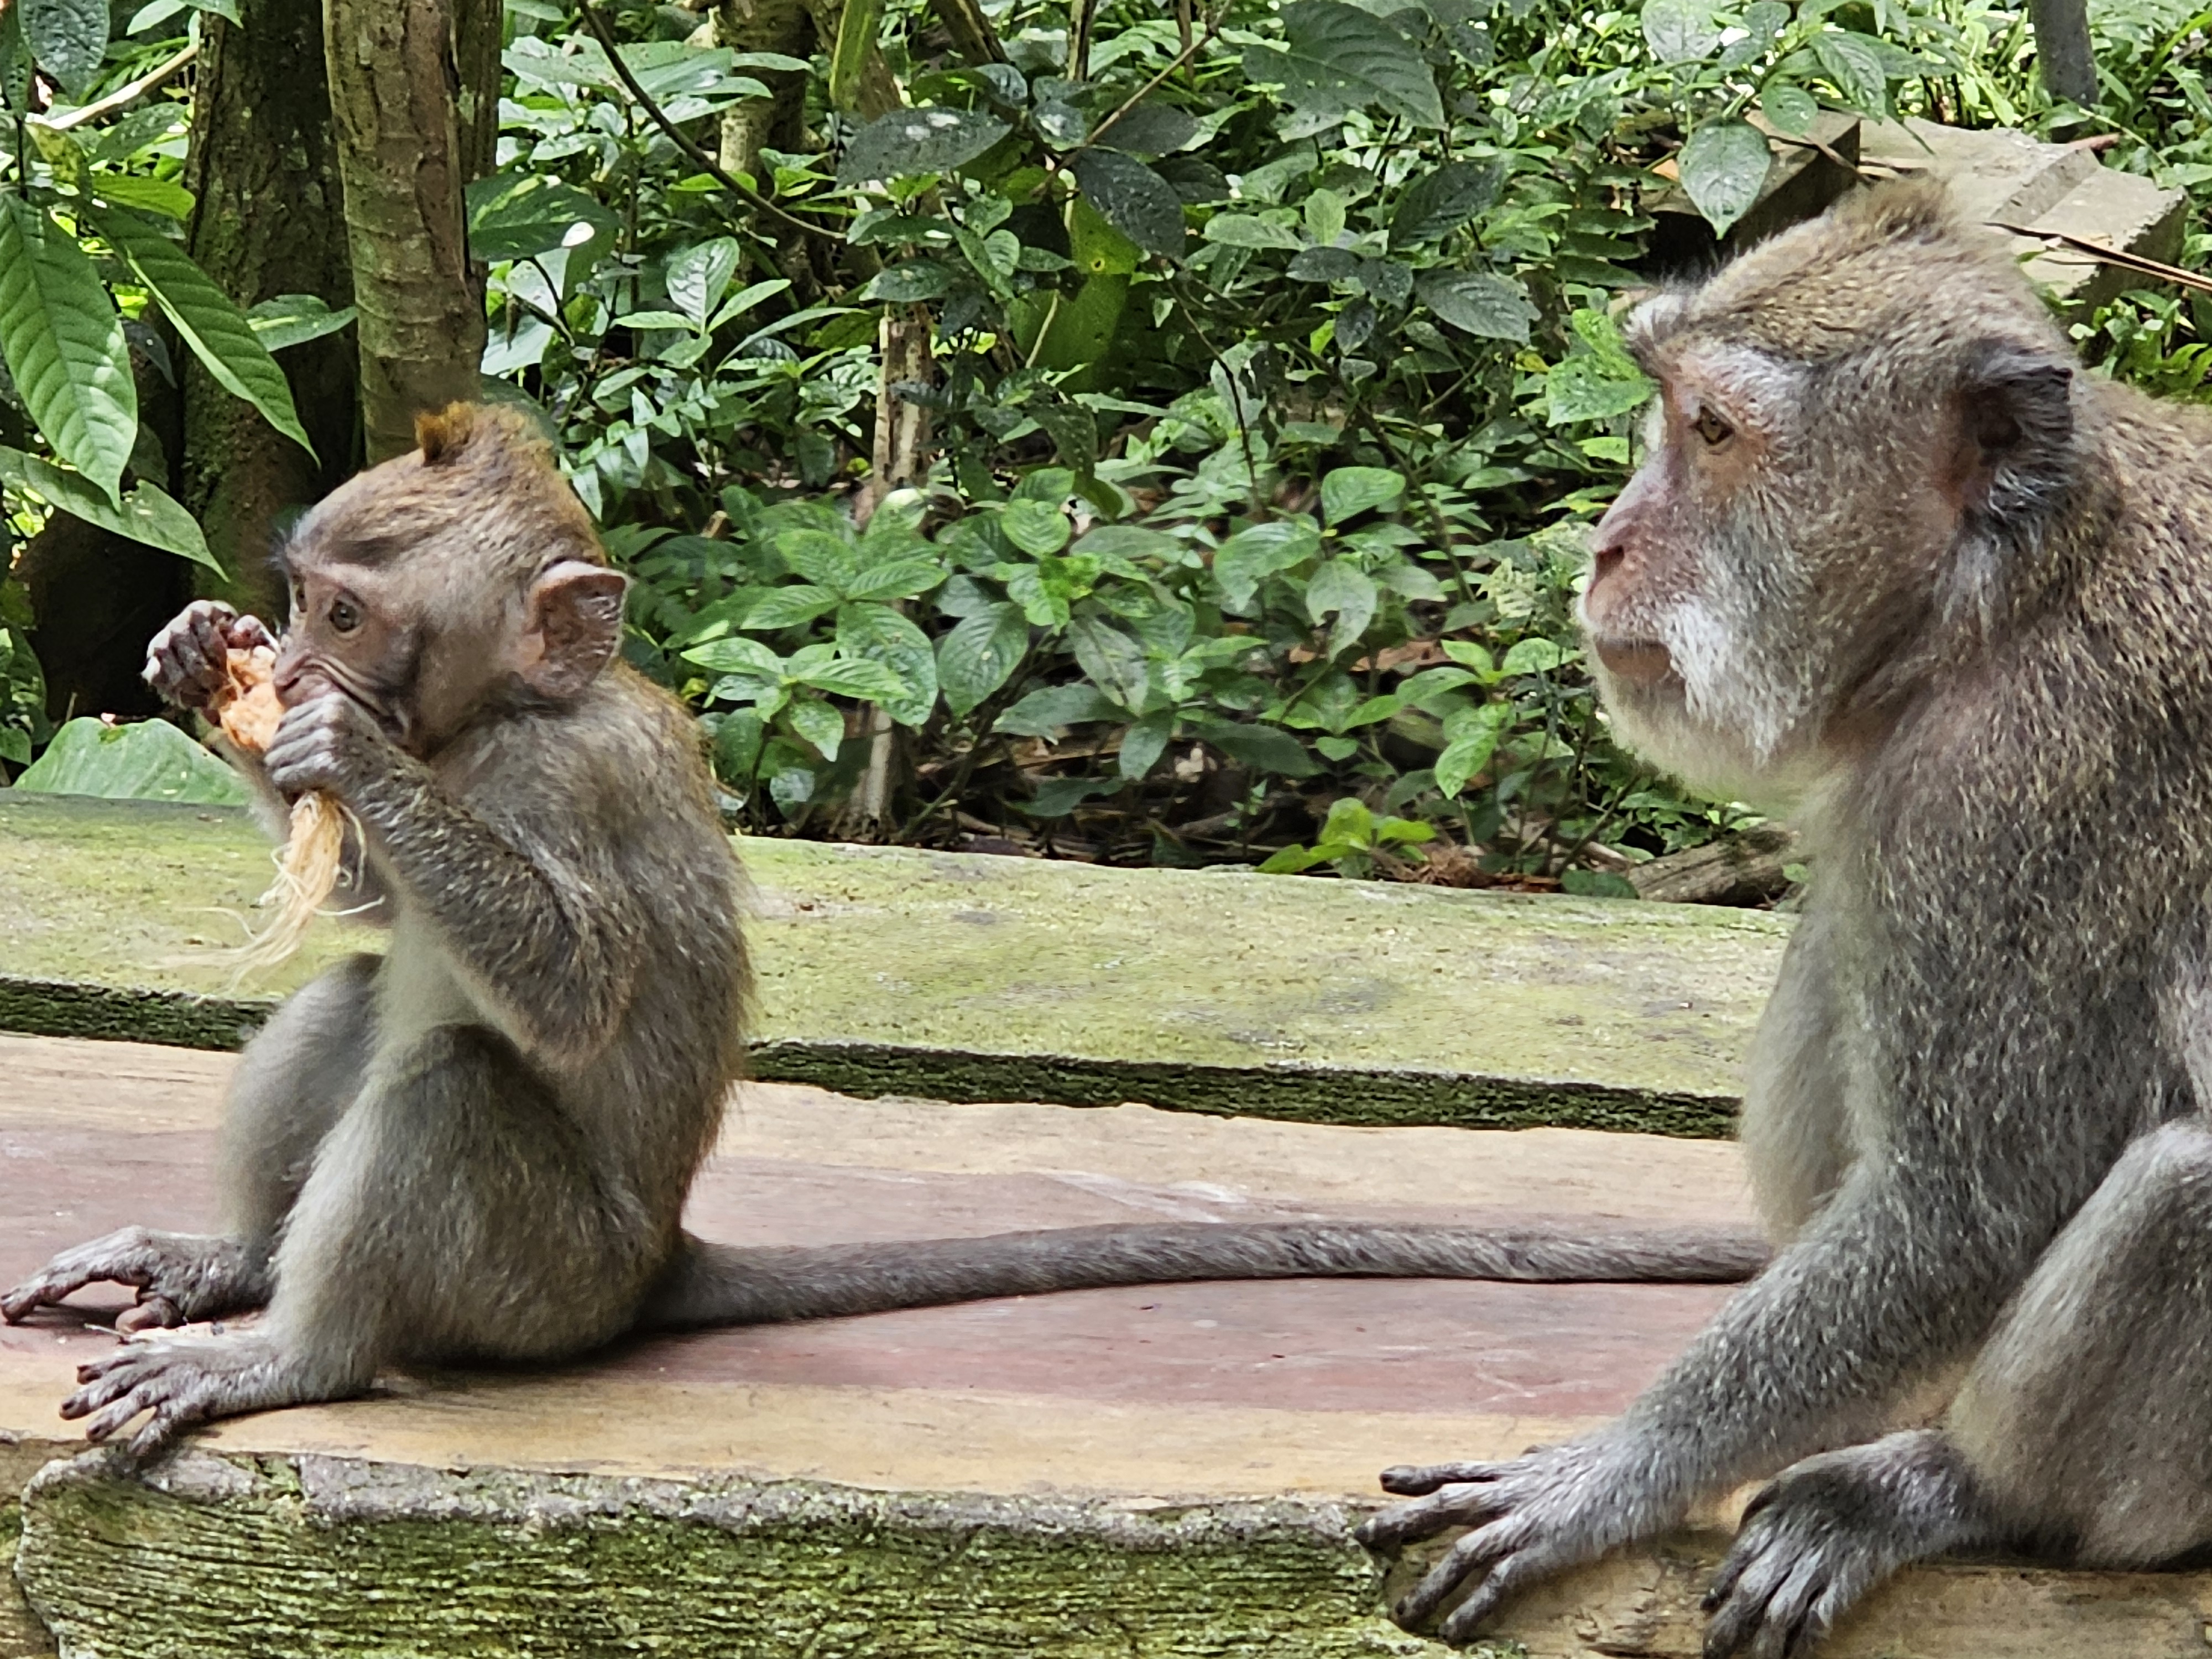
1537 1515
330 743
187 662
178 1277
181 1379
1826 1531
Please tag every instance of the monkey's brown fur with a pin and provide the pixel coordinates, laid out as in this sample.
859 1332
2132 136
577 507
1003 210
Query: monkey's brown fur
479 1146
1891 554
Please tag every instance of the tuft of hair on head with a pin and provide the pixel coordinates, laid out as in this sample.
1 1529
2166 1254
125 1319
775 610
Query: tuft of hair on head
1905 210
464 432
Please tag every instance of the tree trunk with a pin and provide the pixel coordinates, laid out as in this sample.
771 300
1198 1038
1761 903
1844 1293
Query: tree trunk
783 26
409 129
2063 53
269 220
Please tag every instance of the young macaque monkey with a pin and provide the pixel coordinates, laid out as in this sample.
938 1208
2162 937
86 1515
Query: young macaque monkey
476 1147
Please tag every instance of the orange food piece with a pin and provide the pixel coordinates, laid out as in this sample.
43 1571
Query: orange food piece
248 713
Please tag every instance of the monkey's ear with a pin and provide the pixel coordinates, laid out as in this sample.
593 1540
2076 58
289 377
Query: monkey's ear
2016 432
571 628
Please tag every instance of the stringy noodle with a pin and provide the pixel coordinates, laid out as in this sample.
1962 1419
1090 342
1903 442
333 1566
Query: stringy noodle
308 869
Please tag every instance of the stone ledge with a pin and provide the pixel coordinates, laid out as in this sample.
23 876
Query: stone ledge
889 970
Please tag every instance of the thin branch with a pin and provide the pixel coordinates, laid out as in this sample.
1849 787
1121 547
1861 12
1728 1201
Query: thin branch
2113 256
676 135
1213 28
123 94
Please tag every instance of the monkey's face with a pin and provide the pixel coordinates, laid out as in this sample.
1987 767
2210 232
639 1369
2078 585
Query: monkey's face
1852 425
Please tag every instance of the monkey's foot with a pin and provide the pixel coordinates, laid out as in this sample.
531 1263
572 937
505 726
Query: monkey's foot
181 1379
180 1277
1539 1514
1827 1530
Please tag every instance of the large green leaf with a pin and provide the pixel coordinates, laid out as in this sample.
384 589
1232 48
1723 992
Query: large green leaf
1680 31
67 37
1250 555
291 319
1135 200
1437 204
877 633
1114 660
976 657
1338 59
1267 747
150 759
1721 168
908 142
518 215
1044 711
210 323
146 514
64 344
1478 302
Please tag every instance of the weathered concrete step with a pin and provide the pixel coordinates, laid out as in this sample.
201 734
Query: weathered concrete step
962 977
1168 1473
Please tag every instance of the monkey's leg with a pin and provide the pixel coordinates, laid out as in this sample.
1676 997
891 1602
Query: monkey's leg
453 1213
293 1080
2082 1431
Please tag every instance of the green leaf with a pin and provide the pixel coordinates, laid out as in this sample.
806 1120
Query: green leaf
1248 230
1135 200
145 513
848 56
1791 109
517 215
793 606
215 328
979 655
1586 388
149 760
820 723
291 319
1249 557
1143 743
821 557
1113 660
1680 31
879 633
1854 63
1491 306
698 276
735 655
1437 204
911 282
67 39
1341 588
1056 798
1597 883
908 143
737 745
746 298
64 344
896 578
1721 168
132 190
1338 59
1046 710
1534 655
853 676
1349 491
1289 861
1269 748
1471 747
1036 527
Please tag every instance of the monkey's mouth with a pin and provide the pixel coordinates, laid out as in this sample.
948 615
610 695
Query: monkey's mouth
1638 662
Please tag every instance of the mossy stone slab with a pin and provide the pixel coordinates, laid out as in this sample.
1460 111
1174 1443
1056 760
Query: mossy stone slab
893 971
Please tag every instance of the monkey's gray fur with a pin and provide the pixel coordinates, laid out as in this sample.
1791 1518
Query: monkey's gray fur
477 1146
1892 553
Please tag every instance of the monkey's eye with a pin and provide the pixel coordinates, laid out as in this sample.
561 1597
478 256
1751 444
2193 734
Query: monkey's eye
344 616
1713 429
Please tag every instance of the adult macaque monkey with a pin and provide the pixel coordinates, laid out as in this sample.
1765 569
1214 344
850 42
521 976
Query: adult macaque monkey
477 1146
1890 551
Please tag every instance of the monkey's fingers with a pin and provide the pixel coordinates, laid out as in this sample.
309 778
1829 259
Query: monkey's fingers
1453 1506
1419 1479
1469 1557
1523 1566
1772 1613
154 1310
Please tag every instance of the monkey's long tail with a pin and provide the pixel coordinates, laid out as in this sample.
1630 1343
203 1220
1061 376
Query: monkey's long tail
730 1284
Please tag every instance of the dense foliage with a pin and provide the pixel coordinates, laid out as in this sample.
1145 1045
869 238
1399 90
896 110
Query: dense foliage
1267 364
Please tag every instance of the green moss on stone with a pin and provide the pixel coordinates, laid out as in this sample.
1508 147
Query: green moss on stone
349 1559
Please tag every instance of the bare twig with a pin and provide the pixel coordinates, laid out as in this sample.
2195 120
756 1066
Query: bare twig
676 135
2113 256
123 94
1213 28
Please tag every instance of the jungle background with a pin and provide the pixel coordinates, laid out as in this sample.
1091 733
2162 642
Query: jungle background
1135 432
